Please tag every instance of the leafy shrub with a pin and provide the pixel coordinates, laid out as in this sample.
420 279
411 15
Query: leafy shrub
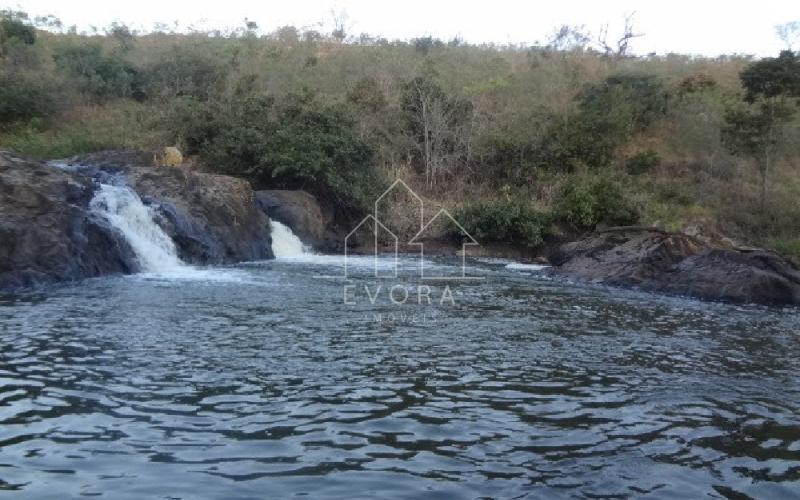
643 162
625 103
294 142
24 98
99 74
576 141
609 113
584 205
785 245
15 28
185 72
509 220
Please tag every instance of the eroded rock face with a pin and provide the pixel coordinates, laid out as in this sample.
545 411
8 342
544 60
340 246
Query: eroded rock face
213 219
298 210
47 233
675 263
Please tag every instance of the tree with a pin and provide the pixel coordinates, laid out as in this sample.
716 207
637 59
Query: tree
437 124
98 73
14 28
609 113
297 142
620 47
124 37
789 33
756 129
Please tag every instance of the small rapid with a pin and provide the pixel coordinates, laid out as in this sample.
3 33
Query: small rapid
124 210
285 244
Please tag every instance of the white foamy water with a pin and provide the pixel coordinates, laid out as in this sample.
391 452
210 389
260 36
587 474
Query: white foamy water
285 244
519 266
154 249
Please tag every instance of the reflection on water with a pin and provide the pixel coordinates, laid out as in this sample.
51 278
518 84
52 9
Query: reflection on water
268 386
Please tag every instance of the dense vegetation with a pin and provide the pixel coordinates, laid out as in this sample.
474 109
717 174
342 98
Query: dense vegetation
522 142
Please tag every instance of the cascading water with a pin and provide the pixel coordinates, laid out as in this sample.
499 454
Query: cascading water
124 210
285 244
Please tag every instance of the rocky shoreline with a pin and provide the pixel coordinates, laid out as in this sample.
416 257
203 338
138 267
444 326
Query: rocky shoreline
48 233
653 260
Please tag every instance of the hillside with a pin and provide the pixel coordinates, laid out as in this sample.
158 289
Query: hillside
522 143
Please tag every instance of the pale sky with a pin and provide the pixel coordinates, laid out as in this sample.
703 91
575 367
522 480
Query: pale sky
692 27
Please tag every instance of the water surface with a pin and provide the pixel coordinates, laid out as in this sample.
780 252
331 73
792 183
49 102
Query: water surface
257 381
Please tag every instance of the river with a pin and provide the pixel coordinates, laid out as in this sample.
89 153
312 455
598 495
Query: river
282 378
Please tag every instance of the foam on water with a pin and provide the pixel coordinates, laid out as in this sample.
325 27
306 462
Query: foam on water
519 266
156 254
285 244
154 249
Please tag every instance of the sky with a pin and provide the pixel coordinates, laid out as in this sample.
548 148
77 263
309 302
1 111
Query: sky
692 27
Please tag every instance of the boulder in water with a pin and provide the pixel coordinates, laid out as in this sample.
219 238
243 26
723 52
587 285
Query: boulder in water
47 232
675 263
298 210
213 219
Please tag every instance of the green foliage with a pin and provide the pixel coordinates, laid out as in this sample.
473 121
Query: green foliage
186 71
746 131
624 104
643 162
294 142
98 73
756 130
789 245
509 220
14 28
608 114
367 96
55 144
23 97
773 77
585 204
699 82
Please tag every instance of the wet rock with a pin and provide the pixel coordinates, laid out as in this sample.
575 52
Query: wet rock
298 210
659 261
47 233
213 219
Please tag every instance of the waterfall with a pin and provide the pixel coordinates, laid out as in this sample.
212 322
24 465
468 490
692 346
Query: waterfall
284 242
124 210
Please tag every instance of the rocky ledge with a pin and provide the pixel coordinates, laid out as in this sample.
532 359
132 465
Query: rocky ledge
653 260
48 233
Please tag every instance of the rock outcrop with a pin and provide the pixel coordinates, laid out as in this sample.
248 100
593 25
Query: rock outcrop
47 232
301 212
168 157
674 263
213 219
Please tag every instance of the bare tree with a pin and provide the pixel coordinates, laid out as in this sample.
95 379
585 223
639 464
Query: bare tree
441 127
789 33
621 45
340 24
569 37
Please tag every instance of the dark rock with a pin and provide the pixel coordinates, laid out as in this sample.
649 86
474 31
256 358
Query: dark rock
658 261
298 210
213 219
46 231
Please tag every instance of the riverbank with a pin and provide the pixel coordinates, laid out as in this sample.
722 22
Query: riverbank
114 212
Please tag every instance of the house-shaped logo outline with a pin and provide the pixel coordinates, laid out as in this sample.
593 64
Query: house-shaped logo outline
377 253
470 242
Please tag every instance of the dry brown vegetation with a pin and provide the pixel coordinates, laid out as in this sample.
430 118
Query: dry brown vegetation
461 123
